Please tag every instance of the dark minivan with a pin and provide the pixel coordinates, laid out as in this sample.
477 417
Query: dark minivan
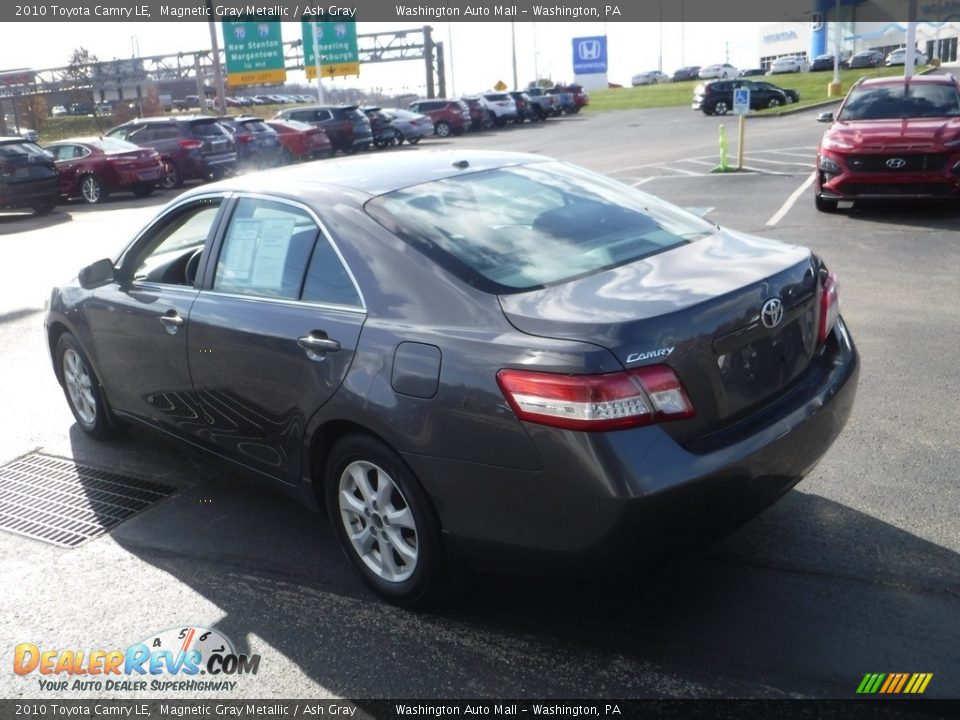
192 147
348 128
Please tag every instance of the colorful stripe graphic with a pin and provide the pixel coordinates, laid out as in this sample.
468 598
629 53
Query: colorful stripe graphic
894 683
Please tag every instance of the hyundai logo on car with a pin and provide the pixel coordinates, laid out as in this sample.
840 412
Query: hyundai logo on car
896 163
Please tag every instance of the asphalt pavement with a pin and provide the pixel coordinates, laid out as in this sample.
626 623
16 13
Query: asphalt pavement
854 571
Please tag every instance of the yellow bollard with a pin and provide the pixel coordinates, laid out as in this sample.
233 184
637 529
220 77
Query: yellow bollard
723 149
835 89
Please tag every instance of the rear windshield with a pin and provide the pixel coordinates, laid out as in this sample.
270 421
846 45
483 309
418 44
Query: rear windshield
520 228
901 101
207 128
256 126
114 145
496 98
22 149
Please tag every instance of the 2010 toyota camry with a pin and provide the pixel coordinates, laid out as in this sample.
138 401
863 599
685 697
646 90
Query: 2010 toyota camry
492 358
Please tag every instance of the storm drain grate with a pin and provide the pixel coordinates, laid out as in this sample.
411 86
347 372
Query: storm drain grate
62 503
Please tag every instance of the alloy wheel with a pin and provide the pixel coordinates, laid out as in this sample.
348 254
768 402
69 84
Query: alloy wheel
91 189
76 377
378 521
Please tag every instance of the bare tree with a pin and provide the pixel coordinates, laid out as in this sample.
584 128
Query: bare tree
77 77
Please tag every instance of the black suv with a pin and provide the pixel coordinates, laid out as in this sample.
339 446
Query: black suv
192 147
716 97
256 142
384 134
28 177
348 128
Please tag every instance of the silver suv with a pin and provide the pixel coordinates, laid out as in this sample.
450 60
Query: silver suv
502 106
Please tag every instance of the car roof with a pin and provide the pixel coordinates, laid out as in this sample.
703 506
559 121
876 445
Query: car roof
167 118
371 174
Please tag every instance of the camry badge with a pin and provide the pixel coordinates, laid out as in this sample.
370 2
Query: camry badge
771 313
896 163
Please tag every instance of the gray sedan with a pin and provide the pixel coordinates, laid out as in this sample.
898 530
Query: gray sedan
410 126
490 358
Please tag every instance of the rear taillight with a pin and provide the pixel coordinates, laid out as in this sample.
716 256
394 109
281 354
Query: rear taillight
829 306
612 401
191 144
243 138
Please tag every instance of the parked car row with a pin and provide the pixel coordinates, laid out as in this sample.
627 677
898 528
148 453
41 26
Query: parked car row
166 151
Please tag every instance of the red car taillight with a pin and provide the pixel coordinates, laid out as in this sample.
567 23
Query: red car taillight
191 144
829 306
244 138
612 401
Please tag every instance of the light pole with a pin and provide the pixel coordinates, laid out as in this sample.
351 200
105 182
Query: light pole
315 30
513 43
835 88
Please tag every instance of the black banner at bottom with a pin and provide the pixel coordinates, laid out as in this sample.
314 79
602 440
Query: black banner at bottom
881 709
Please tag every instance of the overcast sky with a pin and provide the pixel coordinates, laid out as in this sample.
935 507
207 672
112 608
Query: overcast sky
481 51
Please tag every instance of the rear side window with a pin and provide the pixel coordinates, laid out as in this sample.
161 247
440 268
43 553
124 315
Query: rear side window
327 279
256 126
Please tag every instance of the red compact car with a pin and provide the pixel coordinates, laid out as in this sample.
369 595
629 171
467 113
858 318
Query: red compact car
892 138
301 141
92 168
450 117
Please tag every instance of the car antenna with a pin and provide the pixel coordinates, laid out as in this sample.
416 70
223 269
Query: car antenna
461 164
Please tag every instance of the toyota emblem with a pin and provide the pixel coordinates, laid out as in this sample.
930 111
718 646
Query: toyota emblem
771 313
896 163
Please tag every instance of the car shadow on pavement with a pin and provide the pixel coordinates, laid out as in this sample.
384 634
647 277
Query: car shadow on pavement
935 215
803 600
17 222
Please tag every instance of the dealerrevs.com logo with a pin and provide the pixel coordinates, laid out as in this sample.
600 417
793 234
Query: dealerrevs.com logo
186 659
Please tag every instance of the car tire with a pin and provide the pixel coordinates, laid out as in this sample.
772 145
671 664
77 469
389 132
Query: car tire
489 120
413 141
720 108
82 389
390 532
398 137
45 207
172 179
824 205
443 129
773 102
142 190
92 190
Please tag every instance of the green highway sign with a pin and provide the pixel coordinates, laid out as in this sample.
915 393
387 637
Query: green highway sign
338 48
254 52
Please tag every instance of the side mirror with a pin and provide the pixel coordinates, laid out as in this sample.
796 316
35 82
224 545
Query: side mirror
825 117
99 273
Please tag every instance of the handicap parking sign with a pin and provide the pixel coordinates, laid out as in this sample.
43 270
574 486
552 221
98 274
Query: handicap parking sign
741 101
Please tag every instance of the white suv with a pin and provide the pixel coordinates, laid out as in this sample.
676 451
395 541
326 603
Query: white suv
503 107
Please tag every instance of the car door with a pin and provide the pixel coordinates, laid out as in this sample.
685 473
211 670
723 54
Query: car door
139 322
272 333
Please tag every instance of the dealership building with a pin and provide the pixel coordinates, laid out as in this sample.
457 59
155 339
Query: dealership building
862 27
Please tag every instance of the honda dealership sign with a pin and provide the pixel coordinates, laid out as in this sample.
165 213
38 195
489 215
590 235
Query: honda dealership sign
590 61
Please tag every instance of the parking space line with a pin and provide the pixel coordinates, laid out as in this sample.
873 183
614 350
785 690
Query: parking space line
753 158
791 154
785 208
641 181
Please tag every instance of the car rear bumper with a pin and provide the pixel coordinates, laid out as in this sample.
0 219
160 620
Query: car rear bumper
611 500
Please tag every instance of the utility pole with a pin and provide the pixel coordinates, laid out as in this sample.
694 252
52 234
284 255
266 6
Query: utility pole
428 60
317 64
217 70
513 44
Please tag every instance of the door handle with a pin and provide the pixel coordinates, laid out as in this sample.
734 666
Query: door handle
171 322
318 344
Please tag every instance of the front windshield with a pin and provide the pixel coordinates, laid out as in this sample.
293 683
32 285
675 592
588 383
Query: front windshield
913 100
518 228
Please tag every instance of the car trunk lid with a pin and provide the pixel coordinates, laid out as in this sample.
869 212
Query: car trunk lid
697 308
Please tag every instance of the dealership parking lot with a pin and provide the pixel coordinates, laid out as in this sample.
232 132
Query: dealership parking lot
856 570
